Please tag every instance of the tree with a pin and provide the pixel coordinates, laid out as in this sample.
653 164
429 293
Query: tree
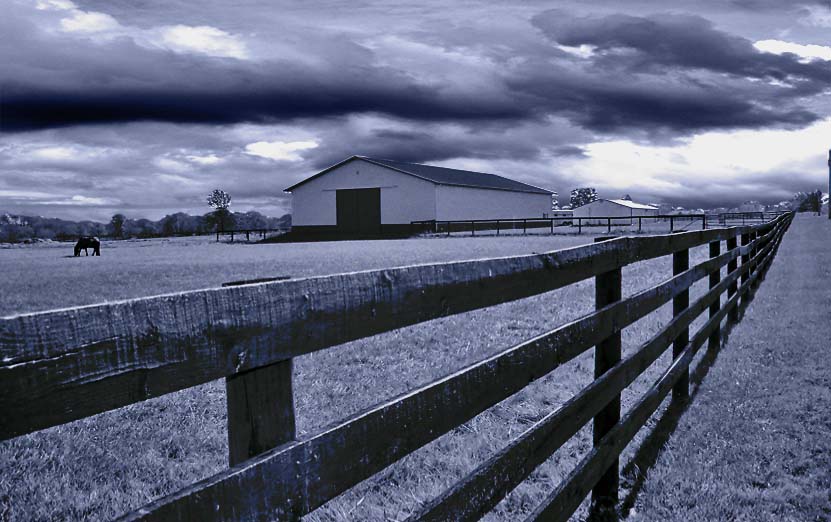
117 223
220 201
583 196
812 202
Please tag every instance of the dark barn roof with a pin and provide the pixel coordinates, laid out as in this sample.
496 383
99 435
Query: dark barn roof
441 176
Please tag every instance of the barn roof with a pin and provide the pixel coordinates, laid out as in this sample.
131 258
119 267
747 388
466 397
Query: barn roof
441 176
631 204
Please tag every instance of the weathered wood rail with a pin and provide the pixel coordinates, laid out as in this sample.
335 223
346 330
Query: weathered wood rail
67 364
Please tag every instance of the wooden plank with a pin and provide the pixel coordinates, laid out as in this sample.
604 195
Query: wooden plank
715 278
559 506
427 413
745 241
260 410
606 355
680 263
731 267
303 475
68 364
480 491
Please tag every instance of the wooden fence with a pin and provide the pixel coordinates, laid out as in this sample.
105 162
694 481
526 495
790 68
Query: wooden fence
744 218
525 224
248 232
63 365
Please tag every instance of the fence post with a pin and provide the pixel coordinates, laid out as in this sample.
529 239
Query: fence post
745 260
715 279
639 223
524 226
552 226
608 225
733 315
680 263
703 222
606 355
755 262
260 410
579 225
472 228
671 224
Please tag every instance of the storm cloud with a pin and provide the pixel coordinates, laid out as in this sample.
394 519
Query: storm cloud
627 81
101 100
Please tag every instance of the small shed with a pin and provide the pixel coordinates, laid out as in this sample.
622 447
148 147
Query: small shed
624 212
367 196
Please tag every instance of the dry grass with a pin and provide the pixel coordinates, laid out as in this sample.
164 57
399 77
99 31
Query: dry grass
103 466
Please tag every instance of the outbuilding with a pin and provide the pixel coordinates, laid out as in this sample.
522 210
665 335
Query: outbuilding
367 196
624 211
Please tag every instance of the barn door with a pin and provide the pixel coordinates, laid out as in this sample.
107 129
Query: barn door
359 211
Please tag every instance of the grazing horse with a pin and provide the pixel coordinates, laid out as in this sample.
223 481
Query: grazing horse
85 242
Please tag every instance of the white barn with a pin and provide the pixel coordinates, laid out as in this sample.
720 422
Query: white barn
623 210
369 196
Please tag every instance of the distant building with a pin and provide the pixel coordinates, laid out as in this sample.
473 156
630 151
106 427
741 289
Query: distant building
751 206
624 211
368 196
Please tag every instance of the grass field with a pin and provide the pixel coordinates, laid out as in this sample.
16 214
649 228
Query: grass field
100 467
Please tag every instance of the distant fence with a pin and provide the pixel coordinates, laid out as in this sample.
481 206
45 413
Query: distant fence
526 224
63 365
261 232
674 221
743 218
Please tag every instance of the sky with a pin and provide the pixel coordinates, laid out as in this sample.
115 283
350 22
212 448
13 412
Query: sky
144 106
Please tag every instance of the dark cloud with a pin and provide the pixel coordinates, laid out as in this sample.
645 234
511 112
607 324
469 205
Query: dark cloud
252 97
569 151
651 44
627 84
654 105
673 72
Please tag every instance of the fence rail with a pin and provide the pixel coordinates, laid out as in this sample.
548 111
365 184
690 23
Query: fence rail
68 364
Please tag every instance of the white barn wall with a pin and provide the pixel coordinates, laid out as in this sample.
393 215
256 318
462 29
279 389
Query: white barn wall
404 198
603 208
458 203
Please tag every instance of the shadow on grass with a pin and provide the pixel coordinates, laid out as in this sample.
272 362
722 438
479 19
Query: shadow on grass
634 473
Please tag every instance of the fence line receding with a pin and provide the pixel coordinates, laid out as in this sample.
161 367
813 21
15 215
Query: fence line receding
63 365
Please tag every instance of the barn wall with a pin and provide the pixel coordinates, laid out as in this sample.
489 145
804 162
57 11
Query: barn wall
458 203
404 198
603 208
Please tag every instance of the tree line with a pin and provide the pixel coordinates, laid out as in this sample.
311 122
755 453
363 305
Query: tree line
15 229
